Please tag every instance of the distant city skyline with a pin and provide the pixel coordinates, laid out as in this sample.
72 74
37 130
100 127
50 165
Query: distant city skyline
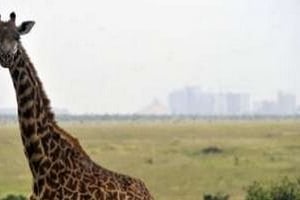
193 100
116 56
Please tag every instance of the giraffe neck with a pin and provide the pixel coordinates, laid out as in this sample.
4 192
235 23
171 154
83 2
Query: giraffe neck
34 113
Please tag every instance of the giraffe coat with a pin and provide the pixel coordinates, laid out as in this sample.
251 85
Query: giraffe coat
60 168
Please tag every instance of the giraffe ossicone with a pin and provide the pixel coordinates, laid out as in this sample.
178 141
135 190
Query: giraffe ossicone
60 168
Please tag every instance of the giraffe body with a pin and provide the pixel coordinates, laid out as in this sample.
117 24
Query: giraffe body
60 168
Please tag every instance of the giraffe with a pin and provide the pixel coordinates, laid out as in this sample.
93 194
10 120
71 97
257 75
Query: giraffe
60 167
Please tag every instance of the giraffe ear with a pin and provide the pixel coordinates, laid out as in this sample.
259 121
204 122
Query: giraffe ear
25 27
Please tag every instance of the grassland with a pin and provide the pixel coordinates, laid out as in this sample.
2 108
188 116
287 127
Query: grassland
168 155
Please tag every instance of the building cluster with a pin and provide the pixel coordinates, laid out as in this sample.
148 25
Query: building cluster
285 104
195 101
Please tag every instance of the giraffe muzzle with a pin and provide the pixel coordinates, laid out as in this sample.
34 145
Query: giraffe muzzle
6 59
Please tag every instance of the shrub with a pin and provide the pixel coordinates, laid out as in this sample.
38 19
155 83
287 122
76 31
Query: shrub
257 192
284 190
14 197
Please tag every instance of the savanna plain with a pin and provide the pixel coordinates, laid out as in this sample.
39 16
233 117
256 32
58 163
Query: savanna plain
177 159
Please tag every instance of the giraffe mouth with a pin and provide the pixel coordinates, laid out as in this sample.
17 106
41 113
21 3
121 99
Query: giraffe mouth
6 59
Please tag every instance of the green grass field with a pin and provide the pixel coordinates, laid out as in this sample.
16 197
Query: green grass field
168 155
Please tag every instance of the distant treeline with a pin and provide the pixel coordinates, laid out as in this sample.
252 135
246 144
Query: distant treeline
116 117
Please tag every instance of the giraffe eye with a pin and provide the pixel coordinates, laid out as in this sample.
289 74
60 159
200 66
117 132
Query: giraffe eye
16 36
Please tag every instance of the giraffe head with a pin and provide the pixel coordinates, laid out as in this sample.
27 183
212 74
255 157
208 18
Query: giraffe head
10 38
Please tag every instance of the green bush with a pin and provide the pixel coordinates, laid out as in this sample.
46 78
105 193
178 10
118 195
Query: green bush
14 197
284 190
257 192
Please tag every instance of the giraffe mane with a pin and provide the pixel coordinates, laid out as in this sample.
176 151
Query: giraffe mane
72 140
49 113
48 110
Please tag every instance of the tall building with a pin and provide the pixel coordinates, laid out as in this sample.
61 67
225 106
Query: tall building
233 103
178 102
220 106
191 101
245 104
238 104
286 103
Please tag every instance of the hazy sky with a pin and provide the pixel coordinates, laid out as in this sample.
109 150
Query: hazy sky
115 56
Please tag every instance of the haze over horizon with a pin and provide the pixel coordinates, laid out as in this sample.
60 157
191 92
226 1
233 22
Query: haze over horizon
117 56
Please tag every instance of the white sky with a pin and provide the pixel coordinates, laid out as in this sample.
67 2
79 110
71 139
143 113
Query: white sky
115 56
